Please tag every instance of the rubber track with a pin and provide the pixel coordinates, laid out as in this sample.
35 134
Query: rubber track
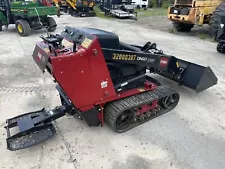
182 27
113 109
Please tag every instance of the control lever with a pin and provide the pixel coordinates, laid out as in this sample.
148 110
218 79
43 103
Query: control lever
146 47
52 49
152 48
54 40
75 42
42 37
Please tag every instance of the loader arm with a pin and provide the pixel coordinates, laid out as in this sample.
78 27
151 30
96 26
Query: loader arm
72 3
196 77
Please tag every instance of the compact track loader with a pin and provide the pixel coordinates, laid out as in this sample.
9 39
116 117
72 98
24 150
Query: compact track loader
220 36
103 80
78 8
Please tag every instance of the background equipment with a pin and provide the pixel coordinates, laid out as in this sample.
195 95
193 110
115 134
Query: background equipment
79 8
186 13
119 8
141 4
27 15
101 79
220 36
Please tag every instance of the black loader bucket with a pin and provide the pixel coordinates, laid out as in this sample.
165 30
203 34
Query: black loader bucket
193 76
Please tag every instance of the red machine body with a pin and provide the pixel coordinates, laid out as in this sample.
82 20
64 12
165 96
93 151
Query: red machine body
83 75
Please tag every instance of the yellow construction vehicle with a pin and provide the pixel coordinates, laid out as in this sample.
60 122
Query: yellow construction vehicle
184 14
82 8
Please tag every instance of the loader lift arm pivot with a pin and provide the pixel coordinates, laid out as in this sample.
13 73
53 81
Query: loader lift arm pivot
101 79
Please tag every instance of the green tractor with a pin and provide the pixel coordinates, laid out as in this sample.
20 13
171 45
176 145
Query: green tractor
27 15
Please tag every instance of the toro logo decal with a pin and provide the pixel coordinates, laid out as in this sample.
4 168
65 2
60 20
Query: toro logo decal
163 62
39 56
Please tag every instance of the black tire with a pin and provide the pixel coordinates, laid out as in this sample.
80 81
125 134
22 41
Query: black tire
121 122
221 47
72 12
23 27
182 27
52 24
1 26
214 21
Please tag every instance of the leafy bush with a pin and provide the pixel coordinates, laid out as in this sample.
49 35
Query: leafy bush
161 3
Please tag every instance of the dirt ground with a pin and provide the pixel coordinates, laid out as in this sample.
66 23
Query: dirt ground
163 24
192 136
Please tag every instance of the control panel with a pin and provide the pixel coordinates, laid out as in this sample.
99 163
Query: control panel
78 36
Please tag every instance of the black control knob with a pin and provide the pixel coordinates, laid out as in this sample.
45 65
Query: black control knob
75 42
66 30
80 36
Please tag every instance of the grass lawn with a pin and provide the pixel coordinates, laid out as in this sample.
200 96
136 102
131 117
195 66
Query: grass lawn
151 12
99 13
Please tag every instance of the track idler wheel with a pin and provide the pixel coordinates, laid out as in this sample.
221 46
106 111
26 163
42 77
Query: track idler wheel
124 120
170 102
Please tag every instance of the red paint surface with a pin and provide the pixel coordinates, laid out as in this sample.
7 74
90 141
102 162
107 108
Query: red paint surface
146 107
80 75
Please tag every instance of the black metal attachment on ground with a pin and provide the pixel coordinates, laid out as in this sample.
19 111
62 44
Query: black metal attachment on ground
34 127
